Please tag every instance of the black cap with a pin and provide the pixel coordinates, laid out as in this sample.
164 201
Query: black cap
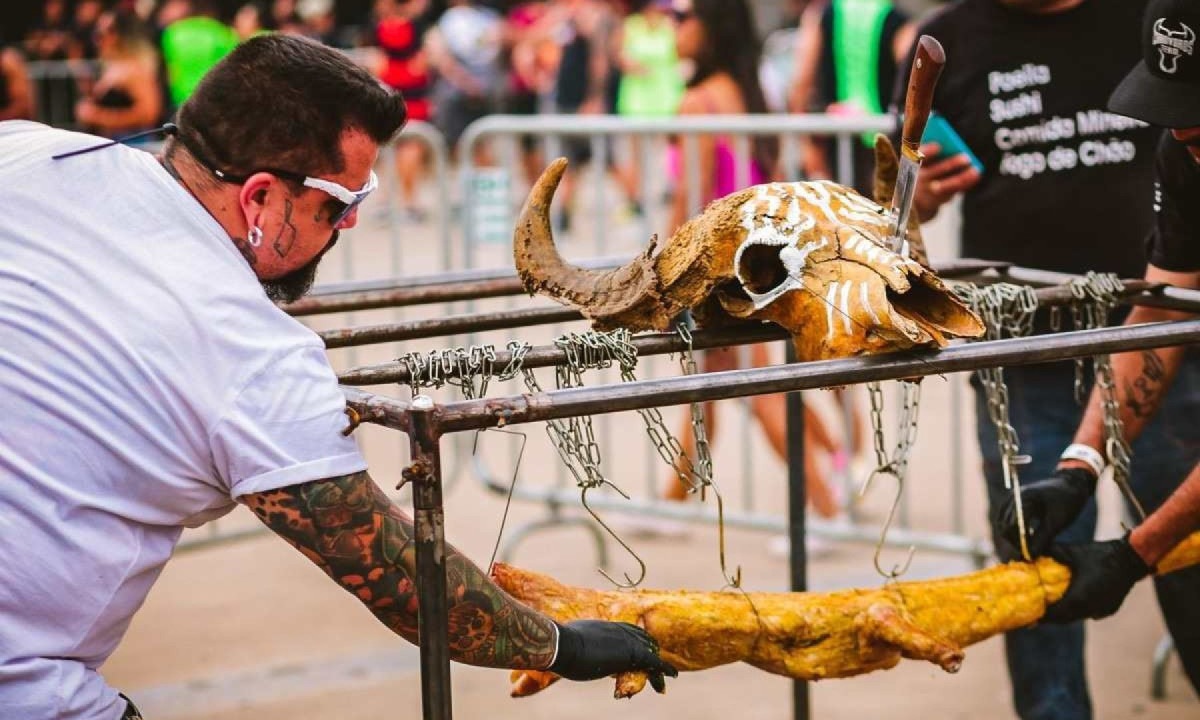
1164 88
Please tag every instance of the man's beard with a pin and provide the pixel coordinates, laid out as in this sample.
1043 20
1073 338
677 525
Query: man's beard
297 283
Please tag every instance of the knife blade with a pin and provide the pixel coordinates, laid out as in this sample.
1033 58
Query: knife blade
928 62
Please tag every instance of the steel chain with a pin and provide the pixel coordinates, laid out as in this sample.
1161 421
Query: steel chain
1007 310
469 369
703 467
906 427
1095 294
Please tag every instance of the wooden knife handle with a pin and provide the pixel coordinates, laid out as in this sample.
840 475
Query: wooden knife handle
927 66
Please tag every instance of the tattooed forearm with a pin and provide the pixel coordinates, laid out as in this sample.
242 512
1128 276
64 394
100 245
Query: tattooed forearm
349 528
1143 393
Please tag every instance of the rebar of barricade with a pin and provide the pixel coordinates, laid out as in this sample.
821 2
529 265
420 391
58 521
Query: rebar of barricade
56 88
598 132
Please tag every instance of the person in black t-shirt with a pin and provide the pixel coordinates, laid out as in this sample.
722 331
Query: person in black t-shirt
1066 185
1163 89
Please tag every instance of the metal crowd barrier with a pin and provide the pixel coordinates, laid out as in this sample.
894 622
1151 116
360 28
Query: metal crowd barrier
56 88
553 132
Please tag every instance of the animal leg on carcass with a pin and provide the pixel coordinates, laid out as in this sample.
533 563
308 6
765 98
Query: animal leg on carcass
813 636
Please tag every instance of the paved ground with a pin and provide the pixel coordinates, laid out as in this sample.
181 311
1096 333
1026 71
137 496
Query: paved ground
252 631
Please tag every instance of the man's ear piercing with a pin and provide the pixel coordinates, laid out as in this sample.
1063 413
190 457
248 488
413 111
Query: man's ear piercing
254 237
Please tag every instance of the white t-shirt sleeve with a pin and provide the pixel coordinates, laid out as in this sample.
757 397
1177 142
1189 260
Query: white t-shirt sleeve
285 428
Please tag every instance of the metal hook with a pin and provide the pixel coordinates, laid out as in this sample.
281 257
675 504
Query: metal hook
736 580
512 486
629 582
897 570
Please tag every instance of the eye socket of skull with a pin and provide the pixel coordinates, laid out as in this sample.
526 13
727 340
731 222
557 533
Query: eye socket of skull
760 268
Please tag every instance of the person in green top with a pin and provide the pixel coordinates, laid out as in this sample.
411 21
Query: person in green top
191 46
651 84
846 57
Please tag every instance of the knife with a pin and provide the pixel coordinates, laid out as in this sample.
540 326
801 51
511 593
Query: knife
927 66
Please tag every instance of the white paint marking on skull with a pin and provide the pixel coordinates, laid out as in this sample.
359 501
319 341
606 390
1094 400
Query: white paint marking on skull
862 217
867 304
795 258
794 214
765 228
770 198
857 202
864 247
817 195
845 304
829 309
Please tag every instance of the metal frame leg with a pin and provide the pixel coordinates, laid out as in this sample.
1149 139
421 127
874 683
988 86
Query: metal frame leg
425 477
797 499
1158 675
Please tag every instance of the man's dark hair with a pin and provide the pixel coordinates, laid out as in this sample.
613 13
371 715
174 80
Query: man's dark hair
279 101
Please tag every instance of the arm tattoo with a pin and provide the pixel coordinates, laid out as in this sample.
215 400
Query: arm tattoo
287 232
353 532
1143 393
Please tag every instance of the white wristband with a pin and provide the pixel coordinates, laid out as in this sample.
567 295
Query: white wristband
1086 454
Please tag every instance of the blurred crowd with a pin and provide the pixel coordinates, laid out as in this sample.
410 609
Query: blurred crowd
454 60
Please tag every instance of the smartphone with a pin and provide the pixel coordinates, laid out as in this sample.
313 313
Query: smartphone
938 130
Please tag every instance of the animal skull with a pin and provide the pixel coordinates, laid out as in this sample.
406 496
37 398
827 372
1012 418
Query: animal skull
809 256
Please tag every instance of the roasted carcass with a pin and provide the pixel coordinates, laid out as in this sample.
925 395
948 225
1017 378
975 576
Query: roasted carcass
812 636
809 256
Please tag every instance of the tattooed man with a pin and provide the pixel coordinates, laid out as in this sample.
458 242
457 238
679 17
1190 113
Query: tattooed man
149 382
1163 89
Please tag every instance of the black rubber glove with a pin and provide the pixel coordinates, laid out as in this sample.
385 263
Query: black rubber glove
1049 505
1102 574
592 649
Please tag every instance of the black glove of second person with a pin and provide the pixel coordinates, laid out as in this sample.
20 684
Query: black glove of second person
1102 574
592 649
1049 506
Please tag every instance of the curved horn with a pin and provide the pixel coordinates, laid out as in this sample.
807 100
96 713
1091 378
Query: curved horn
628 296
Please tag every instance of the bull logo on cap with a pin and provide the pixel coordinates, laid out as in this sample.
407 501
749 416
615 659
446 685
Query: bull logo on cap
1171 44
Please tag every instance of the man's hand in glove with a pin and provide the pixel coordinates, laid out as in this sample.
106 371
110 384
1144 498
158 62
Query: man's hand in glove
1049 506
1102 573
592 649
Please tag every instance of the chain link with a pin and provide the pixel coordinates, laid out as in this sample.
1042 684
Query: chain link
1007 310
702 470
468 369
1095 294
895 465
906 427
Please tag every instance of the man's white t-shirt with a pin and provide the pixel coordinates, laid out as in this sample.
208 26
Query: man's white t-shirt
146 381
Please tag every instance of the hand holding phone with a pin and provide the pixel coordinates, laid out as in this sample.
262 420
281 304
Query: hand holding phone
951 168
938 130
